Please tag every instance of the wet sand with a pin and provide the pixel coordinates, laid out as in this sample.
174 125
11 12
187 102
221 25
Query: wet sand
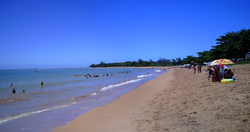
176 101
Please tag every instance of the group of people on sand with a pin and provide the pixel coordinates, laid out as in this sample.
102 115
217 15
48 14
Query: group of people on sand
217 73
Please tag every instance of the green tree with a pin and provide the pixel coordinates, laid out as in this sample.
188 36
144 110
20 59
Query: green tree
178 61
189 59
174 62
232 45
244 43
140 61
204 56
93 65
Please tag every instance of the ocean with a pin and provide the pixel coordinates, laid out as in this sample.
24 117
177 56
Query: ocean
65 94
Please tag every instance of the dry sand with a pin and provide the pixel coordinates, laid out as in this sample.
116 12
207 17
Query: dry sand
176 101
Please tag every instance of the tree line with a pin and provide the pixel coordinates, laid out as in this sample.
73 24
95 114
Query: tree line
232 45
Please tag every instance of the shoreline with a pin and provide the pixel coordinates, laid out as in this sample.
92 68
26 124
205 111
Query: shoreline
116 116
178 100
74 98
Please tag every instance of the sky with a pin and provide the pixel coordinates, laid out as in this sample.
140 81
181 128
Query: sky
78 33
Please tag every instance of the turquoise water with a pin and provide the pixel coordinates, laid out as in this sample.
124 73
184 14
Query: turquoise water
63 96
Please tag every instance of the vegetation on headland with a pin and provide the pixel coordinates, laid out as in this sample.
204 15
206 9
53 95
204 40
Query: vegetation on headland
139 63
232 45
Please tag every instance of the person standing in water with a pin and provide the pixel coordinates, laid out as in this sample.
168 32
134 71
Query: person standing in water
14 90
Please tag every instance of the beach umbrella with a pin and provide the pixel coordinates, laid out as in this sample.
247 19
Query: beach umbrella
213 63
225 66
221 62
225 61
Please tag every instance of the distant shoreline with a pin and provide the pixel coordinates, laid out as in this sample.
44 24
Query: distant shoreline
153 67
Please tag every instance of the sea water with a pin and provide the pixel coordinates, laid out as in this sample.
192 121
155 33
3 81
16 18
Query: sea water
65 94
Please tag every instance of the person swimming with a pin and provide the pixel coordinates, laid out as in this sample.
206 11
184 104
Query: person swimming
11 85
14 90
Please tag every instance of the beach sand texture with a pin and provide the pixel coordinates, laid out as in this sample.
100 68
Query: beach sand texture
176 101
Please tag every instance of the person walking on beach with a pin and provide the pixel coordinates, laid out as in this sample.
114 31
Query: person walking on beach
42 83
199 69
194 67
210 72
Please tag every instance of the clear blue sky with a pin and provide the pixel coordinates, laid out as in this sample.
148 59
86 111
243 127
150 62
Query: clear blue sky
78 33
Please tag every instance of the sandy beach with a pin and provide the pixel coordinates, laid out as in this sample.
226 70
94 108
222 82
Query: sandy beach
178 100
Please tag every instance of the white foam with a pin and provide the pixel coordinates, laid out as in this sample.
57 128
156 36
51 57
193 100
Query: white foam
120 84
93 94
9 118
142 76
157 70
